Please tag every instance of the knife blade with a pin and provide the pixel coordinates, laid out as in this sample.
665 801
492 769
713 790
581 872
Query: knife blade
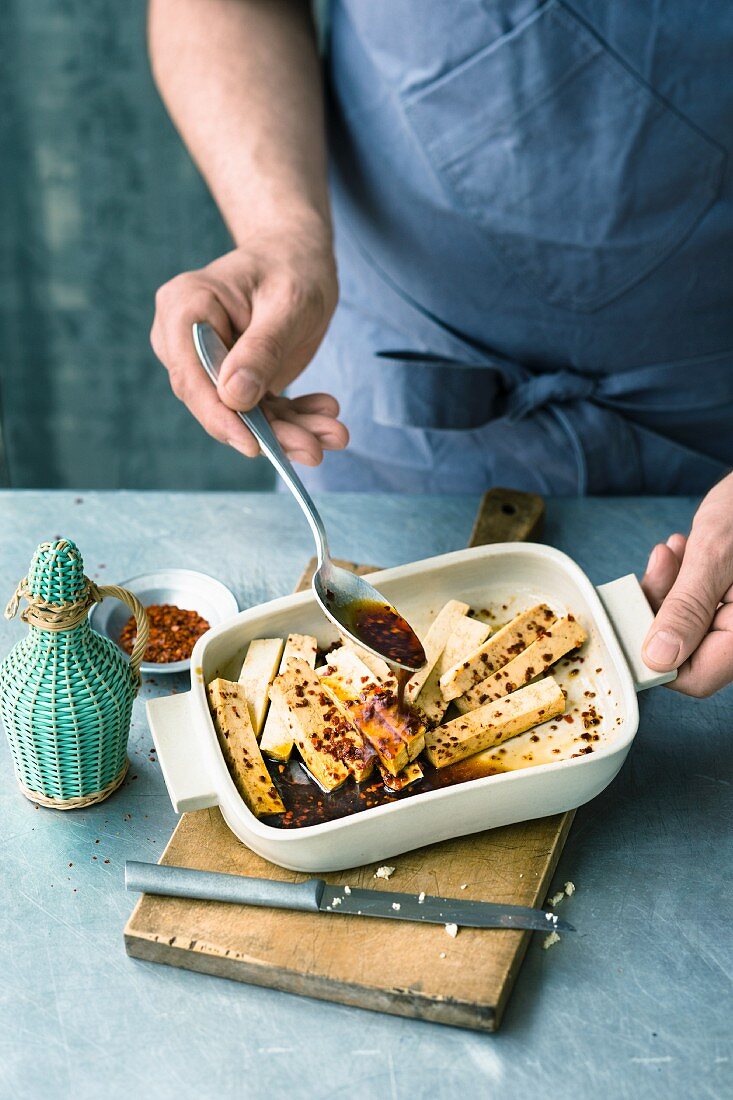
317 896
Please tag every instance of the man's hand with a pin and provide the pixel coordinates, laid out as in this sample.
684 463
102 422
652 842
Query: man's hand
689 583
270 300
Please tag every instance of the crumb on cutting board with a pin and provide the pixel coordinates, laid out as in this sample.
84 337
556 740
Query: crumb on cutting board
550 939
452 930
569 888
384 872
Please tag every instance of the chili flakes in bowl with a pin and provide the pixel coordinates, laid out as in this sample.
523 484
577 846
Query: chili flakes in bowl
173 633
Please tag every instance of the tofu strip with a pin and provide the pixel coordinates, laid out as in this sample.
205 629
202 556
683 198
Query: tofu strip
411 774
228 703
500 648
330 744
558 639
468 634
434 643
276 740
495 722
372 706
258 671
378 668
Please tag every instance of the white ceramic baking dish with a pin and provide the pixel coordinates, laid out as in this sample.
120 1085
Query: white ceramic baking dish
506 576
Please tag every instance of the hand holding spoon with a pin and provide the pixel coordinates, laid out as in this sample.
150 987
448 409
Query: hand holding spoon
351 603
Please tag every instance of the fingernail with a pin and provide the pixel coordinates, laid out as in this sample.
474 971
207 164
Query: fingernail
663 648
243 389
239 447
305 458
652 559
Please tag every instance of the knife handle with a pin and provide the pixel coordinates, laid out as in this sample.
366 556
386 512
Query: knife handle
183 882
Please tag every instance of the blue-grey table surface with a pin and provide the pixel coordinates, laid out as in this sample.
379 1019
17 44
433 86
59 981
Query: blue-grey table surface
636 1004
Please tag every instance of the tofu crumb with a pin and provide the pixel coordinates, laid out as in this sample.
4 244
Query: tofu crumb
556 898
452 930
336 901
569 889
464 885
396 905
442 954
347 889
549 940
521 876
384 872
421 897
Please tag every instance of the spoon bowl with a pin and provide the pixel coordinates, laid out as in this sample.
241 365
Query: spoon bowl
355 607
363 616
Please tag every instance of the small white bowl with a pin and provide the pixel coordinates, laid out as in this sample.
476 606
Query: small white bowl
185 588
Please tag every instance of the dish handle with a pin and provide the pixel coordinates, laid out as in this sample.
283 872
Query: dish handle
179 752
631 617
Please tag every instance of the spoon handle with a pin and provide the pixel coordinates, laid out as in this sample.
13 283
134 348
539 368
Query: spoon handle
212 351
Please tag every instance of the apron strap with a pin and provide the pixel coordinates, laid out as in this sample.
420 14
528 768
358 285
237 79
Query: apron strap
423 390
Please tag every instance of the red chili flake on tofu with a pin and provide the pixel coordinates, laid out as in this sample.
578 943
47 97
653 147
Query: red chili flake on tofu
567 717
534 737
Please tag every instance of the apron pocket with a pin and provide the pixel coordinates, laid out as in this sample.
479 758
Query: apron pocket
583 179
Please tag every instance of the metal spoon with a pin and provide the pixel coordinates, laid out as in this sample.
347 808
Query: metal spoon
350 602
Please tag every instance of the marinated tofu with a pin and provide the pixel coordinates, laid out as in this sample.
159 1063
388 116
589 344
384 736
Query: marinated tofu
495 722
411 774
560 638
501 647
276 740
468 634
379 668
397 738
434 643
230 713
330 744
258 671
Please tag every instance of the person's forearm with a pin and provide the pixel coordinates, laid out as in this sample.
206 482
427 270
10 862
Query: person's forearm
241 81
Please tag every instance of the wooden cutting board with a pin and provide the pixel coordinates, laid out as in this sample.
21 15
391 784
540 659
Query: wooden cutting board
389 966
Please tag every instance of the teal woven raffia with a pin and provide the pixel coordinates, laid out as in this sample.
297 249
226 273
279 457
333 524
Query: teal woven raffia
66 694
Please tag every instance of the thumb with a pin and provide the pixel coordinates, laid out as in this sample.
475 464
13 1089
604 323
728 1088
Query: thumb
256 359
686 613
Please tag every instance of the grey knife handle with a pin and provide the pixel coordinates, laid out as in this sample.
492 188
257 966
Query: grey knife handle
183 882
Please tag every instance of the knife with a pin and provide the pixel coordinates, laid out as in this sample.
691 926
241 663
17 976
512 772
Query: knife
317 896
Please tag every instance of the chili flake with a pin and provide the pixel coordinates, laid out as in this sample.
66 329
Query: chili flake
173 633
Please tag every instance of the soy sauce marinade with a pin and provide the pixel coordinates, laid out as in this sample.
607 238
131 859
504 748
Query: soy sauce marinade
383 629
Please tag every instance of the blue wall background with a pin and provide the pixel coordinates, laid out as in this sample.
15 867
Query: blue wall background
99 204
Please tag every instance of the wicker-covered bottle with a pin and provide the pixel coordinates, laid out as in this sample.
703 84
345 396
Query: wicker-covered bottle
66 692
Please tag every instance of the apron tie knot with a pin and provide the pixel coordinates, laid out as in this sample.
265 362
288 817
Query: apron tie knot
548 389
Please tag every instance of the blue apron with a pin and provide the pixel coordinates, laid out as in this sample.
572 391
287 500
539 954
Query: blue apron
534 229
